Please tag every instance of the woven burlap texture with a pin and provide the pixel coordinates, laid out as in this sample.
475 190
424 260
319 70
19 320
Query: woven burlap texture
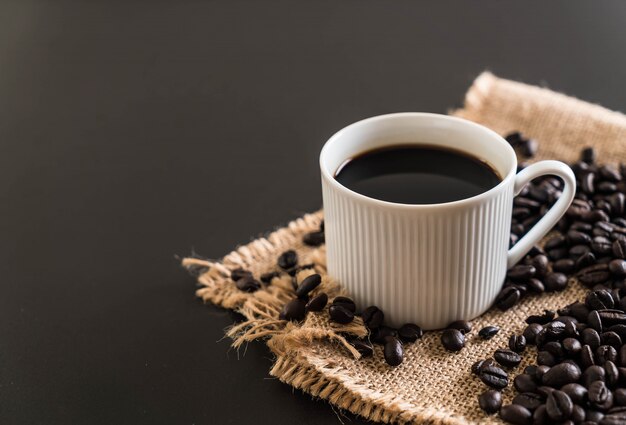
432 385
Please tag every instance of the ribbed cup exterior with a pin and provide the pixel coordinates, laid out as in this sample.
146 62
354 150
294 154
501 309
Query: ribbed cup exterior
429 266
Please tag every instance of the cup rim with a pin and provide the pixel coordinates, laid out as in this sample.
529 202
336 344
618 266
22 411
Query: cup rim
458 203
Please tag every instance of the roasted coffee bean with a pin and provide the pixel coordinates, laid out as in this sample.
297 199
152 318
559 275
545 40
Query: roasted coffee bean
587 183
517 343
346 303
555 282
507 358
294 310
612 339
619 396
576 392
557 241
555 348
535 285
528 400
237 274
540 263
610 317
585 260
410 332
598 393
462 325
514 138
373 317
561 374
599 299
516 414
558 253
545 358
617 201
619 248
606 187
564 265
594 275
575 237
581 226
313 238
555 330
248 283
363 346
523 202
488 332
620 330
559 406
601 245
308 284
531 332
494 377
586 357
576 251
528 147
604 353
593 320
520 213
317 303
594 216
540 416
481 364
452 339
379 334
611 374
524 383
617 268
592 374
393 351
490 401
521 272
507 298
288 259
571 346
340 314
610 173
622 356
546 317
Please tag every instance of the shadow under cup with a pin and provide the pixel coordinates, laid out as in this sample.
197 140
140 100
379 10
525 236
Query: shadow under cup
427 264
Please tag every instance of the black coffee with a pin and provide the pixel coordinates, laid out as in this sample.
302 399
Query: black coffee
414 174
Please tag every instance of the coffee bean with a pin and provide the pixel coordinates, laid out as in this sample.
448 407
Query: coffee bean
594 275
555 348
557 241
481 364
559 406
585 260
248 283
373 317
576 392
528 400
617 201
317 303
521 272
535 285
598 393
520 213
462 325
514 138
619 396
575 237
593 320
528 147
531 332
542 319
599 299
379 334
490 401
564 265
340 314
594 216
606 187
620 330
588 155
604 353
517 343
540 263
524 383
488 332
576 251
288 259
313 238
619 248
617 268
267 277
507 358
545 358
612 339
601 245
494 377
393 351
558 253
561 374
611 374
610 317
452 339
523 202
622 356
555 282
308 284
591 374
555 330
507 298
346 303
364 347
294 310
586 356
409 332
572 346
516 414
587 183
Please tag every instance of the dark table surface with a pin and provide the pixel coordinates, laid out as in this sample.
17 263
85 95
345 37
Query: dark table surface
135 131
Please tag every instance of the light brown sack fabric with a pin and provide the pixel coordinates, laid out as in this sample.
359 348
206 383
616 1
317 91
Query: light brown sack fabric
431 385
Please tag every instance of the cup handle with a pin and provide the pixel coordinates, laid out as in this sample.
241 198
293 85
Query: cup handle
543 226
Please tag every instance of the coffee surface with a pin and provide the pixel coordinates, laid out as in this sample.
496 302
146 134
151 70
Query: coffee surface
415 174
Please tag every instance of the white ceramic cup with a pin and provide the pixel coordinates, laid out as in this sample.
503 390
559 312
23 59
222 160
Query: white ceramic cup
428 264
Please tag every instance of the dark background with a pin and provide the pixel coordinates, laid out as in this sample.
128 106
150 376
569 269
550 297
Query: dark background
133 131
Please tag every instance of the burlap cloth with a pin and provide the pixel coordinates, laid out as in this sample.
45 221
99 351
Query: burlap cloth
431 385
